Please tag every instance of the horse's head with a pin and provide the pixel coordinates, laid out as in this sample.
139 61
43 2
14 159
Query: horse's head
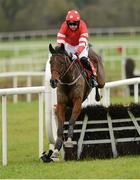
57 63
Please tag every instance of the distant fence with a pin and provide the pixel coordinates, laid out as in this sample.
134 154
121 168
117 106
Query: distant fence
28 76
19 57
52 32
38 55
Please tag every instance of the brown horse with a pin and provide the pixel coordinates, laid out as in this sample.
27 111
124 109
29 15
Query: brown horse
72 90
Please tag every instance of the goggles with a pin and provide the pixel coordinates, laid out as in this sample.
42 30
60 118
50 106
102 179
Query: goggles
73 23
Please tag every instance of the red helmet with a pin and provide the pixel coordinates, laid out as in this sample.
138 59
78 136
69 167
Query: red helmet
73 15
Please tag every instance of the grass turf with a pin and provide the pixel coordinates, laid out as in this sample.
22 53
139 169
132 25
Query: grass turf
119 168
23 160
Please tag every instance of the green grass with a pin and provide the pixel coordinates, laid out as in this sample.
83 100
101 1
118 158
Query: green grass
23 161
120 168
122 100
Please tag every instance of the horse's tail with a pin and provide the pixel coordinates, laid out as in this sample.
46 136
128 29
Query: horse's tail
97 95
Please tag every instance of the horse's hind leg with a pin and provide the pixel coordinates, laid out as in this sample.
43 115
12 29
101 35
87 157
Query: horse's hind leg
100 73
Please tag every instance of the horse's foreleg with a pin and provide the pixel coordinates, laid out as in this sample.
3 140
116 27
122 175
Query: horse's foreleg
60 112
75 113
59 140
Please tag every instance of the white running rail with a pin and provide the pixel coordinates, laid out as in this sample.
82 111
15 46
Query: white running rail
50 98
110 85
4 93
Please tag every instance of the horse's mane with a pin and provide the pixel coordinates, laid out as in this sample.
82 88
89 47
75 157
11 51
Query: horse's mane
61 50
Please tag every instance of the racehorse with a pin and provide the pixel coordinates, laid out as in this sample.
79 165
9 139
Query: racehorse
72 89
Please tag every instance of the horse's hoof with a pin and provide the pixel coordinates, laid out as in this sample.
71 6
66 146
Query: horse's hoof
55 156
46 158
68 144
55 159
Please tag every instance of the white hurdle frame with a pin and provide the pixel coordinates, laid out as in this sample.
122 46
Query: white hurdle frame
25 90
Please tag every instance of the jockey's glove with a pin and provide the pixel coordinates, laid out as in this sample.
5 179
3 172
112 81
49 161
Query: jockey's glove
74 57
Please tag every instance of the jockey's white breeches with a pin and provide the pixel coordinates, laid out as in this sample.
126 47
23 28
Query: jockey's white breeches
72 49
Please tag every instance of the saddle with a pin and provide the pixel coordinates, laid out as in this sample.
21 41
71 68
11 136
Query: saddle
90 75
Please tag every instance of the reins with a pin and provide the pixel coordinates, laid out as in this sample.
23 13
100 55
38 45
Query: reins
67 70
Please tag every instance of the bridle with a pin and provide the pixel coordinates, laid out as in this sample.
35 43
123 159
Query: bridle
66 58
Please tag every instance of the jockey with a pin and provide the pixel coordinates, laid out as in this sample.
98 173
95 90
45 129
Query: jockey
74 35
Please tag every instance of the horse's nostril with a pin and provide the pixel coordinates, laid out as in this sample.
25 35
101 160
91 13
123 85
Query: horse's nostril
53 83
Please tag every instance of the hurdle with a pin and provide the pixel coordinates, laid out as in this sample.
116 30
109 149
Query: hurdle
112 133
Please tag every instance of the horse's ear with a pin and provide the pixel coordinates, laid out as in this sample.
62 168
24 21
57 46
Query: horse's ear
62 47
51 49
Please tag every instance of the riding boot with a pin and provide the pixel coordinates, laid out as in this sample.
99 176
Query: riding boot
92 80
84 61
